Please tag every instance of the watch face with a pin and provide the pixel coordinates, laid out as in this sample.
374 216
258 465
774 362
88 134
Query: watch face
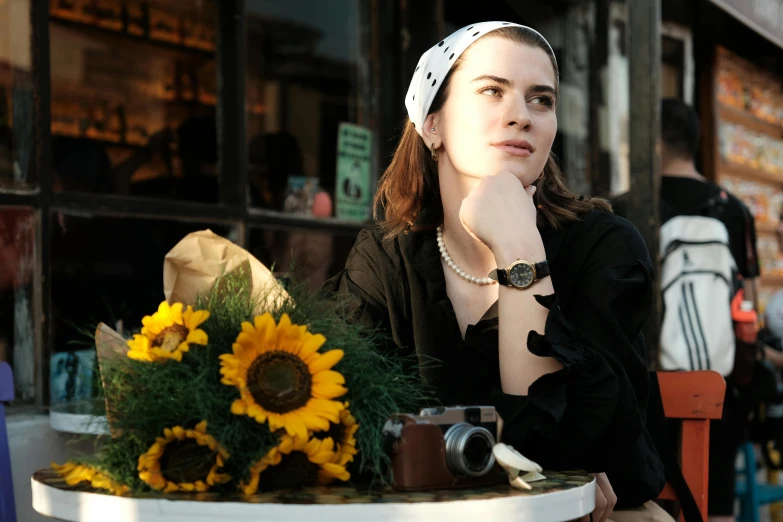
521 275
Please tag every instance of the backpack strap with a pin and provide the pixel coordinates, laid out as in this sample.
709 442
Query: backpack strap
658 428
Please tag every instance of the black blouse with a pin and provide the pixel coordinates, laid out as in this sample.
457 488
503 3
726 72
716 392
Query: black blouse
589 415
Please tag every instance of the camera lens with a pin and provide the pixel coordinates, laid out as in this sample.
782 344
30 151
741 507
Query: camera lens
469 450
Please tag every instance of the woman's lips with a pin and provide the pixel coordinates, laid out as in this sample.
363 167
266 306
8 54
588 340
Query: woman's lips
514 150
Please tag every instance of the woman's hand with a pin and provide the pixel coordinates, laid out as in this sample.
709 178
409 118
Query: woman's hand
605 500
500 212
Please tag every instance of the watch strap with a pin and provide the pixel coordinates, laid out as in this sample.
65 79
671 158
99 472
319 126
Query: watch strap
501 275
542 270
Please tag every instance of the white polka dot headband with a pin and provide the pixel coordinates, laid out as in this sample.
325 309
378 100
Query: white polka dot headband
435 64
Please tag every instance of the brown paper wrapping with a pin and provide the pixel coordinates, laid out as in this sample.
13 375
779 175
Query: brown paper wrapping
195 264
109 345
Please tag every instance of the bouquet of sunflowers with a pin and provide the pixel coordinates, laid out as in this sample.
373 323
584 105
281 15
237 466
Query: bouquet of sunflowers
235 384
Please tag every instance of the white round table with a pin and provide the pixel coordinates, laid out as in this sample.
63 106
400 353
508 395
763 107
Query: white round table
563 496
86 417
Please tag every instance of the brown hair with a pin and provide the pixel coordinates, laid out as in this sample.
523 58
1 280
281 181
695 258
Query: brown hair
410 183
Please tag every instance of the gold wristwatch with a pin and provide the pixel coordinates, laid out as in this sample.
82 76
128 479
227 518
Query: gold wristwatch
520 274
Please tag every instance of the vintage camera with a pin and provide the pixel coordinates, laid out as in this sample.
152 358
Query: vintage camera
443 448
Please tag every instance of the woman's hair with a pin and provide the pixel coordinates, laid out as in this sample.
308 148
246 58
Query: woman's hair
410 183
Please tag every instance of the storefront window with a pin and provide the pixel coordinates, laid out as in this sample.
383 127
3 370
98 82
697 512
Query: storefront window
17 267
302 256
309 108
134 92
16 95
105 270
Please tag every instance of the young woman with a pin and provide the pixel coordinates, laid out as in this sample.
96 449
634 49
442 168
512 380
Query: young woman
529 298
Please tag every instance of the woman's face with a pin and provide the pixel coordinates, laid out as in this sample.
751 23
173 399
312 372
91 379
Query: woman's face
500 111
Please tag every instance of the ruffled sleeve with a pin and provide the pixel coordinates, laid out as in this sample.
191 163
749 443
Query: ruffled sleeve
587 413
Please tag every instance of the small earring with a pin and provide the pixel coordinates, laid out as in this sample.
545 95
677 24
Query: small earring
434 152
433 129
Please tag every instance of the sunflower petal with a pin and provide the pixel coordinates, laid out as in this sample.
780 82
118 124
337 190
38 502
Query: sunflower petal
238 407
327 444
336 471
176 313
315 422
311 345
296 429
193 318
328 391
321 457
284 324
328 377
197 337
325 408
164 309
139 356
251 487
325 361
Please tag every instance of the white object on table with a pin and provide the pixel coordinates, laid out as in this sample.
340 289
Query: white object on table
78 417
78 506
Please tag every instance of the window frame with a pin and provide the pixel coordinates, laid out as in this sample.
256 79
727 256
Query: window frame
233 207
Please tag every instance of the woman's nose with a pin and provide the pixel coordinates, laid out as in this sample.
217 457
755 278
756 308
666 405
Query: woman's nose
518 114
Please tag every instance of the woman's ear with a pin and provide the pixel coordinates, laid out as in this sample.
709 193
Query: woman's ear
430 132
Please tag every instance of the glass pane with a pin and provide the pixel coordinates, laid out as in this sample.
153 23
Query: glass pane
17 266
105 270
134 88
16 95
311 257
308 76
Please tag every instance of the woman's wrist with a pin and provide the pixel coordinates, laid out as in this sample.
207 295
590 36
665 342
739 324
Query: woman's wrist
528 247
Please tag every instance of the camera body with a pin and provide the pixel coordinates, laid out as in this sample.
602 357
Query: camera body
444 447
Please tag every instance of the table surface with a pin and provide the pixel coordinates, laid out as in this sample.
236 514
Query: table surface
561 497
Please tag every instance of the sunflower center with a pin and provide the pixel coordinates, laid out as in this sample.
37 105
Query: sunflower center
293 471
279 381
185 461
170 338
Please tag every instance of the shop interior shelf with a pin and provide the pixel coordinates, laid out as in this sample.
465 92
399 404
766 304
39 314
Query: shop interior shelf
771 280
766 227
95 29
748 120
743 171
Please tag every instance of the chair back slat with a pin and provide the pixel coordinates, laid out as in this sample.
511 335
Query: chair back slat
695 398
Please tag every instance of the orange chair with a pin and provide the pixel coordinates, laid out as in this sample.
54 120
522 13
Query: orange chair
695 398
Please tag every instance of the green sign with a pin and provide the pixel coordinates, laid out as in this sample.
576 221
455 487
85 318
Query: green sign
354 156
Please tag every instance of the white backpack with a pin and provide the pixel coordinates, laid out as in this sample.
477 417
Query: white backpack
698 282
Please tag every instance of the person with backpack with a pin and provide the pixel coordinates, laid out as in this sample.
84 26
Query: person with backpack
707 278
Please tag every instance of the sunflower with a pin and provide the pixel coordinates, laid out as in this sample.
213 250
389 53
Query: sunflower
77 473
282 378
183 460
296 462
344 435
168 333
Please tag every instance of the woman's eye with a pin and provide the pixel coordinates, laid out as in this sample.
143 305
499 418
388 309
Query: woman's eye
491 91
546 101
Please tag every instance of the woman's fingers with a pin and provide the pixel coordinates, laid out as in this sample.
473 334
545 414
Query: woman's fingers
600 505
610 498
